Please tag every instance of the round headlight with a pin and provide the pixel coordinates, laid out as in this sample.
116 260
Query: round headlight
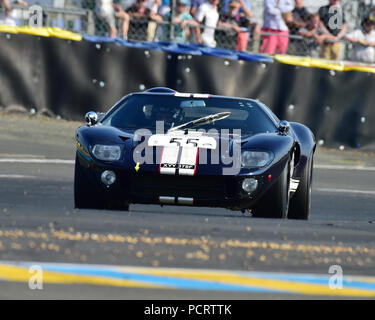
256 159
106 153
249 185
108 177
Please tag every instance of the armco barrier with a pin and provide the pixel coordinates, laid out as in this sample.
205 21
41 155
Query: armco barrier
71 77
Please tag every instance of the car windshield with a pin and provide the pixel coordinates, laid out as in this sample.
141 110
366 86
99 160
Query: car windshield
143 111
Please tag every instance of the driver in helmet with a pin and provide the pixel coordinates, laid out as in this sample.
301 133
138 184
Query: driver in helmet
170 116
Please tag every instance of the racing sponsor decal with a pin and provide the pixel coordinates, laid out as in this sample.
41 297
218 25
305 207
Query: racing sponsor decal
169 160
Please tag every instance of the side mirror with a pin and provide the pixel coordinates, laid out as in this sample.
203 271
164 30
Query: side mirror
91 118
284 127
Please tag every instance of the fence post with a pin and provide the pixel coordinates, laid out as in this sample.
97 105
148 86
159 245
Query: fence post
171 25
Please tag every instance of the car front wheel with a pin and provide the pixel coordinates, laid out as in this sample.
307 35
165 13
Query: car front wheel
275 203
300 203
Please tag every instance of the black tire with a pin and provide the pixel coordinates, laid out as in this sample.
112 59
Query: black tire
87 196
275 203
300 203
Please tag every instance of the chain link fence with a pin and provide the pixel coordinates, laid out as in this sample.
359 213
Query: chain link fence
86 17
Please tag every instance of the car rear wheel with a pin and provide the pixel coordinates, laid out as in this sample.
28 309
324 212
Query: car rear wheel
301 201
275 203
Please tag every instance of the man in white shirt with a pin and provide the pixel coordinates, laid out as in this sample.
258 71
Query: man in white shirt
363 40
209 13
107 10
275 14
10 16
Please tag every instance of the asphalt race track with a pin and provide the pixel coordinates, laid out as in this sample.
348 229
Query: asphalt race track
152 252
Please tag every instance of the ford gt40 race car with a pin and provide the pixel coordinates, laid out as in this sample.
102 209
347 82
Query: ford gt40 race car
169 148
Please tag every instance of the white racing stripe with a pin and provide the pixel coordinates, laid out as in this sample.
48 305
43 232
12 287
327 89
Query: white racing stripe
352 191
39 161
342 167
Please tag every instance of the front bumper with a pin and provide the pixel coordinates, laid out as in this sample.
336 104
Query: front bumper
199 190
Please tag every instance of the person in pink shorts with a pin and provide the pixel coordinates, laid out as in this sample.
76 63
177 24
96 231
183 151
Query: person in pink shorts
275 15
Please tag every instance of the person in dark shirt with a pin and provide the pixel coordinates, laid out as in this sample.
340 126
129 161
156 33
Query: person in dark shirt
333 21
314 35
141 16
239 25
300 17
139 10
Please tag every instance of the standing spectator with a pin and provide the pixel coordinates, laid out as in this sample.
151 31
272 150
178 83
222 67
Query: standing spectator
371 15
333 19
314 35
183 20
5 18
363 40
275 13
238 12
107 11
10 16
300 16
164 8
141 15
237 25
207 13
154 6
245 7
195 4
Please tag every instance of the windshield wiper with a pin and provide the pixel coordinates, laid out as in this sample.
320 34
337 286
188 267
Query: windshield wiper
201 121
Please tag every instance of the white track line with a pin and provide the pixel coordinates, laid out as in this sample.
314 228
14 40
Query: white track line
342 167
352 191
39 161
16 176
70 162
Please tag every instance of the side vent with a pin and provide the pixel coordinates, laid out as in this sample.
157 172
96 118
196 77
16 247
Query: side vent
124 138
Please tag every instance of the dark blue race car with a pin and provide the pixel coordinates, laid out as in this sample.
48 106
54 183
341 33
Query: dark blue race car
169 148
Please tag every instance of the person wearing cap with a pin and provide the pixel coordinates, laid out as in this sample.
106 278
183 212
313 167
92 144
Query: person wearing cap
182 21
363 40
371 15
276 14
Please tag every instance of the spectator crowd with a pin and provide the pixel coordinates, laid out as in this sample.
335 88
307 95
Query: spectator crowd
288 26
